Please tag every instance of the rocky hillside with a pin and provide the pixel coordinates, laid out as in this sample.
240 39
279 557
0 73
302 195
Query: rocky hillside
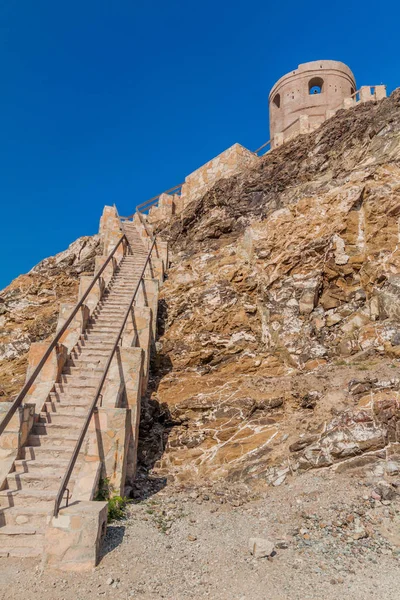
29 307
280 326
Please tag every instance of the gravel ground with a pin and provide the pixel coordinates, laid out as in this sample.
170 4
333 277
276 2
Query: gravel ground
333 535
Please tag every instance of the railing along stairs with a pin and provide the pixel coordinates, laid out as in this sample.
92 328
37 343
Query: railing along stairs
93 407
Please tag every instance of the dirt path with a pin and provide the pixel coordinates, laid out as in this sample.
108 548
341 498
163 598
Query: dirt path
332 539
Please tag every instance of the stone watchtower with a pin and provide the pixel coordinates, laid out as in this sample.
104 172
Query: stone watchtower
304 98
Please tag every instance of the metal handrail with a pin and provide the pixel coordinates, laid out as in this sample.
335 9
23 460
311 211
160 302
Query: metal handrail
93 406
146 205
262 147
155 198
18 400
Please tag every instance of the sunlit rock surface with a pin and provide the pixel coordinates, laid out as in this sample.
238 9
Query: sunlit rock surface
29 307
285 286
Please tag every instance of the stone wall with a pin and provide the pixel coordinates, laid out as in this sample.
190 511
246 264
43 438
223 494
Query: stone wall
228 163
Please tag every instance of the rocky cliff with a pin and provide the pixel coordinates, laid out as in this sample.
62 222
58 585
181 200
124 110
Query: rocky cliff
29 307
279 332
280 322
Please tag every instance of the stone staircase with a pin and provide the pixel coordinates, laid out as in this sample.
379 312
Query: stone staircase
31 489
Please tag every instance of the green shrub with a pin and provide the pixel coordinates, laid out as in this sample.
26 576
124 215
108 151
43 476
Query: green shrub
116 504
116 508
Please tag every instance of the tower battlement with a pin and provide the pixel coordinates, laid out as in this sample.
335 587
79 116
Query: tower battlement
303 99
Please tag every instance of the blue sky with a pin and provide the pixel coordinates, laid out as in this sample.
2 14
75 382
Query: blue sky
104 102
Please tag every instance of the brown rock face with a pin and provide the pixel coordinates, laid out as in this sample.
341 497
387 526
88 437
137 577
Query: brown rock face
284 284
29 307
284 288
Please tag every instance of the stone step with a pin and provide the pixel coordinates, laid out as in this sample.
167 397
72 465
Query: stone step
110 319
27 465
87 354
104 326
64 419
48 452
110 310
40 479
110 313
28 497
21 552
95 349
89 362
53 430
126 287
57 440
106 323
130 268
73 396
78 380
128 271
113 301
127 275
107 342
107 318
104 307
120 292
31 516
67 408
93 345
21 541
118 295
53 417
82 371
92 336
74 381
106 335
122 285
126 280
97 342
113 304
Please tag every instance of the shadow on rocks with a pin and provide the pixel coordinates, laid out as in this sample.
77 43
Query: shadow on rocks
155 420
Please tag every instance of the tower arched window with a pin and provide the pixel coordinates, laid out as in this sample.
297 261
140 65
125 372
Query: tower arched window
277 100
316 85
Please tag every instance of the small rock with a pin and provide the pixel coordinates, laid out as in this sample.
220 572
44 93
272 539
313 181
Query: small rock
385 490
392 468
110 581
279 480
261 547
192 538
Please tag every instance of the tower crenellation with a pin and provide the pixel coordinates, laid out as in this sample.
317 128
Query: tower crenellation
303 99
